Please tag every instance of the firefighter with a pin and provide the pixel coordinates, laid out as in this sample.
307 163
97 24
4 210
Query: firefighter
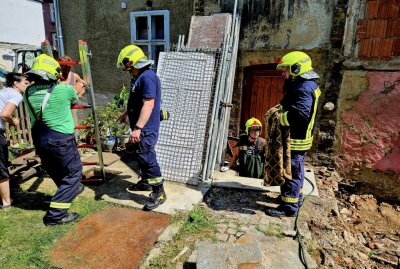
299 107
251 151
53 136
144 119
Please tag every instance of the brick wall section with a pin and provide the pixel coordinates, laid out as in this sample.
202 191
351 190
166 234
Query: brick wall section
379 31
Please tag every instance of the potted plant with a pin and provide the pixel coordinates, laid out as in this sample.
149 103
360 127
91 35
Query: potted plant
107 117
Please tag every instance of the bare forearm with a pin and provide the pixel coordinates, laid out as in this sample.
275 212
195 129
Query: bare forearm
145 113
233 161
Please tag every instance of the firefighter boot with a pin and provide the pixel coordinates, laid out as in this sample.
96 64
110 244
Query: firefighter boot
70 217
157 197
280 211
141 185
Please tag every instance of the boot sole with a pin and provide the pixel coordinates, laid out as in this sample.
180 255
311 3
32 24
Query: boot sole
146 208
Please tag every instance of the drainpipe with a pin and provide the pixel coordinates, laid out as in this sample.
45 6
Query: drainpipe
58 26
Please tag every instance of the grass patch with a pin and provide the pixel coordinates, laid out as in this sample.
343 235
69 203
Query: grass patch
272 230
24 240
197 225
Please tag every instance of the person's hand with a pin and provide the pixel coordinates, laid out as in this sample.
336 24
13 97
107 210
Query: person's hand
224 168
15 122
135 136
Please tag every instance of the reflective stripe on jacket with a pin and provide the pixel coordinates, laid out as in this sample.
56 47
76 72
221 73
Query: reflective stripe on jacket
299 108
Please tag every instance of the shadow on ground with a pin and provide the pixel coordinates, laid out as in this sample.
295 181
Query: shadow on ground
240 201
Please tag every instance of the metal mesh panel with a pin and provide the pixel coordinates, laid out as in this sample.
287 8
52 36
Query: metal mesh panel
187 81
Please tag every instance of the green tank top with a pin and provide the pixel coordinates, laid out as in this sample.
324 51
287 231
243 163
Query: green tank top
57 115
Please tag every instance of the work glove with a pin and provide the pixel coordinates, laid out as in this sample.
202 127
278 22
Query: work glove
224 168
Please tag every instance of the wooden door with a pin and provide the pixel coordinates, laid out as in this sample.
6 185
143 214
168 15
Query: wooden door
262 90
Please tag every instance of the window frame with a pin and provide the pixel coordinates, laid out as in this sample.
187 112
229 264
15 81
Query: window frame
150 42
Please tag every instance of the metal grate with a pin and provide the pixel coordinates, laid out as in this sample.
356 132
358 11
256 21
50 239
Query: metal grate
188 79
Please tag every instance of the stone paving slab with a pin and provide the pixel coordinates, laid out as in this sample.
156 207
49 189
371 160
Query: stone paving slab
231 179
252 250
228 256
276 252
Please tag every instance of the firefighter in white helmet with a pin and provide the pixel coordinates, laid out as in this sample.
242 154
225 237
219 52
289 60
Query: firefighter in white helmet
251 151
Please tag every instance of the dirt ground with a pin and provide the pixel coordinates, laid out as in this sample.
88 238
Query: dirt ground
346 229
351 230
114 238
342 228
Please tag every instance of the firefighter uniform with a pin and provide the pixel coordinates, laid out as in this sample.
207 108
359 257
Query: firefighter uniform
53 136
145 85
298 111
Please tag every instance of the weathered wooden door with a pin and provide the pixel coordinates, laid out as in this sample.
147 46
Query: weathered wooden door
262 90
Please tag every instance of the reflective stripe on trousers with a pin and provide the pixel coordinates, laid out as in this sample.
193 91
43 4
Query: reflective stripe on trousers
61 160
291 190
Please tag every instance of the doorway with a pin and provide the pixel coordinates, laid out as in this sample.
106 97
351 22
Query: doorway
262 89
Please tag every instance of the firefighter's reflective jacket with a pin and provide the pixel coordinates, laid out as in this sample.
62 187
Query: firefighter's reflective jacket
299 108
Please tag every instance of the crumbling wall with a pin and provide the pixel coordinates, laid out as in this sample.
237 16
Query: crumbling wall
368 132
284 24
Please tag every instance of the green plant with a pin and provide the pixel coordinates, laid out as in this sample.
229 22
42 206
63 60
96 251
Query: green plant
107 117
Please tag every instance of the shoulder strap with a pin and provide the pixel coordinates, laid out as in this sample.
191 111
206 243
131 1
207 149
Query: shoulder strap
46 98
72 79
44 103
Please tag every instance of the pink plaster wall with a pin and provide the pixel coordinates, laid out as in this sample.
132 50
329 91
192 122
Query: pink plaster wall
370 131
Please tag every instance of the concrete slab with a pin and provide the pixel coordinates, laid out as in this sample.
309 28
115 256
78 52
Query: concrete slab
179 196
231 179
228 256
108 158
275 253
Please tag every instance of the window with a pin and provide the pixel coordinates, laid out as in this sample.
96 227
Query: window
54 40
150 31
52 14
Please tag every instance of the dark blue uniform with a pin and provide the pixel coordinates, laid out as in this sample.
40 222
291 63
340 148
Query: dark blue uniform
299 108
146 86
58 154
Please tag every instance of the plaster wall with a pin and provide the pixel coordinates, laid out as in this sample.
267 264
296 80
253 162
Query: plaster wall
106 28
286 24
368 136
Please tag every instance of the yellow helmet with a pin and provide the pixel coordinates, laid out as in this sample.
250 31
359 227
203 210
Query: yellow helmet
45 67
132 56
299 64
253 123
